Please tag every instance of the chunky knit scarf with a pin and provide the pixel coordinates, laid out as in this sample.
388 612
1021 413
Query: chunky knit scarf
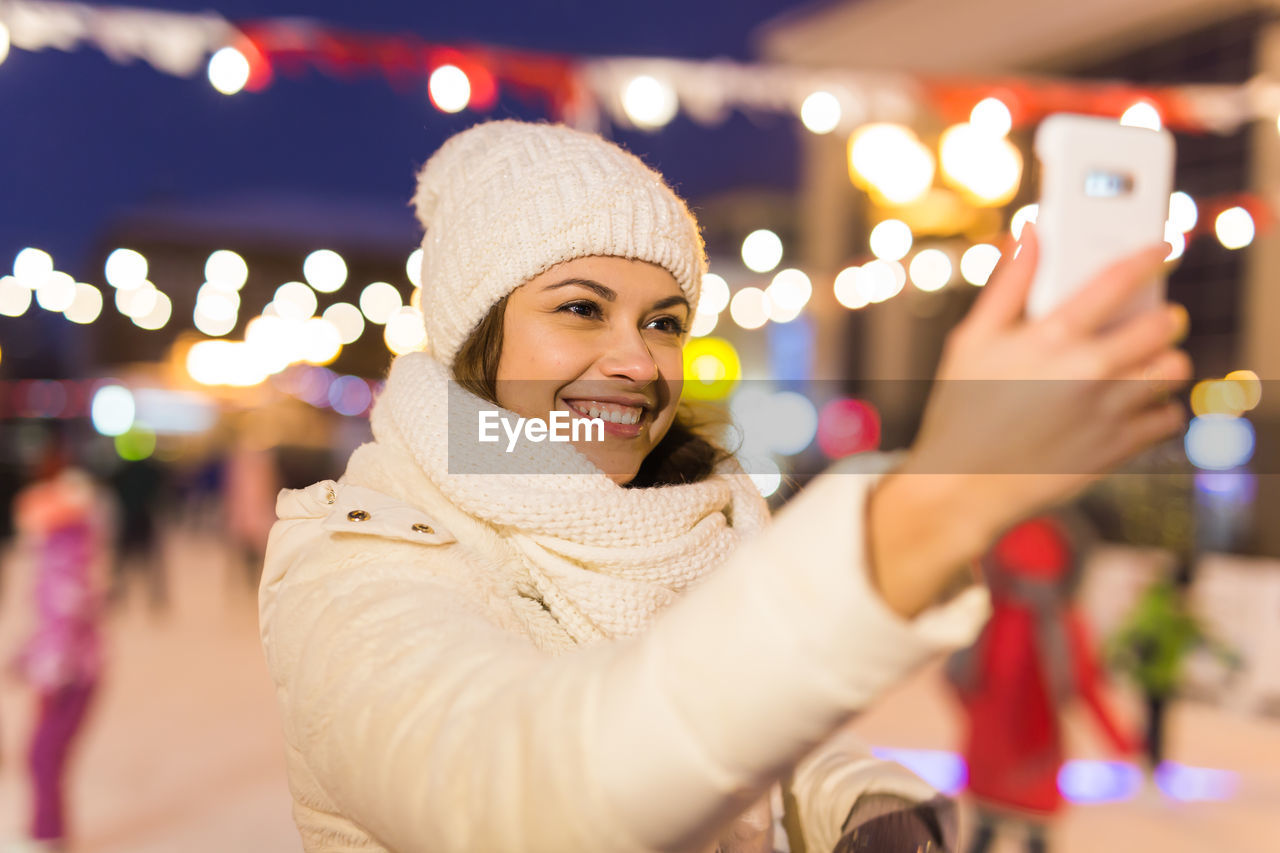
605 559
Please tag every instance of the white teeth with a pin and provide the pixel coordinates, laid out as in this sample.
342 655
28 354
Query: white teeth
613 413
594 411
616 417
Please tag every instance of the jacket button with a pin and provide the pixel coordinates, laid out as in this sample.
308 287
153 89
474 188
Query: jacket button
330 496
358 515
422 528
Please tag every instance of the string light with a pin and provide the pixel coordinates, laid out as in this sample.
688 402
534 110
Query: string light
56 292
749 308
890 240
978 262
931 270
347 319
1234 227
850 290
31 266
226 270
378 301
15 299
85 305
125 269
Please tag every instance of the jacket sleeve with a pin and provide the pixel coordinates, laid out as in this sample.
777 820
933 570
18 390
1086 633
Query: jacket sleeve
436 730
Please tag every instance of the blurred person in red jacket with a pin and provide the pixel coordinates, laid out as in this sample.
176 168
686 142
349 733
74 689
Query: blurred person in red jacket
1033 656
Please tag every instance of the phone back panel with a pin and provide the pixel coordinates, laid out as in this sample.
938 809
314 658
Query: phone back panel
1104 193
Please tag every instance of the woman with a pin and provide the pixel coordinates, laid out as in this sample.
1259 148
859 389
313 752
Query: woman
598 645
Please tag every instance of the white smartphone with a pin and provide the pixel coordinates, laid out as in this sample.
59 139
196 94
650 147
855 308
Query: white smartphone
1104 194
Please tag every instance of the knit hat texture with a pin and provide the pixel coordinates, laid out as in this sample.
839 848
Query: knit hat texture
504 201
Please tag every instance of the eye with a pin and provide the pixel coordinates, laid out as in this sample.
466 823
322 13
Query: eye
668 324
581 308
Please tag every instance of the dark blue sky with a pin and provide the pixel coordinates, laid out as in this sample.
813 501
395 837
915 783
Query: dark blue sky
86 139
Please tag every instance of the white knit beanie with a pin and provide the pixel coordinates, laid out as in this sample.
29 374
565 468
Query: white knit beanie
504 201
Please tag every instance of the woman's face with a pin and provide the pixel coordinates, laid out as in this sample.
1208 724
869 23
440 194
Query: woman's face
598 336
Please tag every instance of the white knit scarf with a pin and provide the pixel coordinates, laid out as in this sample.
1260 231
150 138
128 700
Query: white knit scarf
605 559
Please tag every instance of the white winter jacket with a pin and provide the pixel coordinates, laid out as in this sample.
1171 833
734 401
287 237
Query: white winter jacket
438 691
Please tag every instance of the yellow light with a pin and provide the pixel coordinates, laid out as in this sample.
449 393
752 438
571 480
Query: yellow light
1182 211
228 70
820 112
1234 227
978 262
890 240
714 295
850 290
449 89
991 116
889 160
761 250
1218 397
649 102
931 270
711 368
749 308
1250 384
1142 114
86 304
984 166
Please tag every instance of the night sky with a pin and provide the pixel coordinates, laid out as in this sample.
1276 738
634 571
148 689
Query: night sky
85 140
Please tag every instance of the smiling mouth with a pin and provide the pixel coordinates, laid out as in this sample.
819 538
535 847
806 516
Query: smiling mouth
610 413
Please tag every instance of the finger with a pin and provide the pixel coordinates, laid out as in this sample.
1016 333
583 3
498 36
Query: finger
1136 341
1149 383
1104 295
1151 426
1002 299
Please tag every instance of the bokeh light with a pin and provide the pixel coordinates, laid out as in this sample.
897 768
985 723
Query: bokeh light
761 250
15 298
703 324
405 331
125 269
1182 211
226 270
711 368
112 410
1234 227
749 308
890 240
847 426
991 116
31 266
158 316
1021 216
850 291
449 89
413 267
378 301
1177 241
1219 442
325 270
788 293
294 301
820 112
228 70
350 395
985 167
930 269
1142 114
136 444
714 295
889 160
347 319
649 102
978 262
86 304
56 292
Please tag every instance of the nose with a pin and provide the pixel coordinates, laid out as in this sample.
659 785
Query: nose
627 356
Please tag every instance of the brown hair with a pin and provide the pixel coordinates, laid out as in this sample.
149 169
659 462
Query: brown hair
686 454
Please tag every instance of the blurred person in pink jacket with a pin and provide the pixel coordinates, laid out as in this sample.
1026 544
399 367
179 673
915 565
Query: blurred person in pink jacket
61 522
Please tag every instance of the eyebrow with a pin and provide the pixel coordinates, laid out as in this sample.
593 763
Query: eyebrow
609 295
